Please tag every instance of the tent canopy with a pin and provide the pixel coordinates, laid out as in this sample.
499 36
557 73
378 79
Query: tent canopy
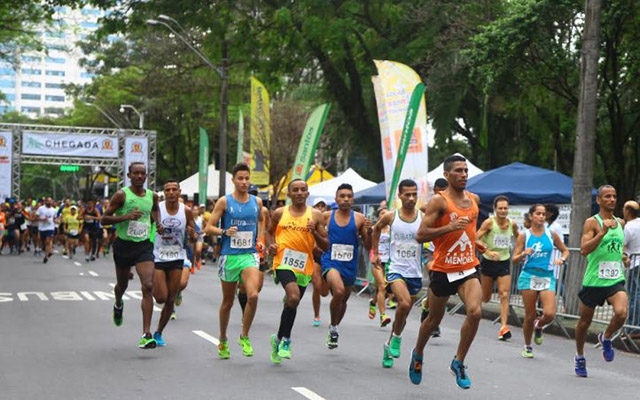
438 172
327 189
522 184
190 185
373 195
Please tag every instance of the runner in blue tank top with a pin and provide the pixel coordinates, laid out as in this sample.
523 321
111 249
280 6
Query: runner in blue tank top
340 262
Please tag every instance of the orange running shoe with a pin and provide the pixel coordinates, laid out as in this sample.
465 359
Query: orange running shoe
504 333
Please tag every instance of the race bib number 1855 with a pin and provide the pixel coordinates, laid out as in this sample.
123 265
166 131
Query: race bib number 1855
294 259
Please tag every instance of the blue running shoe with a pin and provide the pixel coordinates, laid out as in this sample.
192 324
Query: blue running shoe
581 366
415 368
457 368
159 340
607 348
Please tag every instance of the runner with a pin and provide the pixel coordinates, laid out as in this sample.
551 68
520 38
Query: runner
320 286
134 210
197 246
450 222
46 225
32 225
340 262
296 229
241 215
379 271
496 233
3 225
92 230
72 226
602 243
537 280
169 253
404 274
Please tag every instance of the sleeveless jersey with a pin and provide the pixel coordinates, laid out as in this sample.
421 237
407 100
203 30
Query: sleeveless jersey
405 254
542 247
295 243
343 244
73 224
136 230
245 217
604 264
455 251
170 245
499 240
383 246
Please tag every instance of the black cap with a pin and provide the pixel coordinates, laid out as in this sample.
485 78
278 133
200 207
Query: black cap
253 189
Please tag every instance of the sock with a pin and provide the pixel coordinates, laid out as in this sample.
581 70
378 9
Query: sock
242 299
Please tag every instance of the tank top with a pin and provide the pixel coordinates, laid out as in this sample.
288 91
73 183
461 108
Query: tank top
295 243
136 230
245 217
604 264
542 247
343 244
73 224
383 246
405 254
90 220
499 240
169 246
455 251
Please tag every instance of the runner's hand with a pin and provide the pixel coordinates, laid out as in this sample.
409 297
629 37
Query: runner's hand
231 231
311 225
273 249
459 223
135 214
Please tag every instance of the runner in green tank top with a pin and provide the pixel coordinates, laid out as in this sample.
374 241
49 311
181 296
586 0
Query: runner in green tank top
602 242
135 213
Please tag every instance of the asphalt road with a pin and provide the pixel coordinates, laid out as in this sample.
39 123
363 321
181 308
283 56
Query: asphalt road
58 342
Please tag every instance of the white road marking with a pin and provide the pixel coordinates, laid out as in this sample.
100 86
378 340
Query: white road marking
308 393
209 338
92 273
65 257
77 264
81 273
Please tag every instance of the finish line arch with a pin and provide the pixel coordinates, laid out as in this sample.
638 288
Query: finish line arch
58 145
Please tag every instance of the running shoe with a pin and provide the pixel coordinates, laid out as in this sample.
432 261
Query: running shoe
372 309
436 332
275 358
384 320
93 258
87 259
64 252
117 314
284 349
527 352
173 315
159 340
607 348
223 349
178 299
581 366
394 346
147 342
316 322
458 368
332 339
245 343
45 260
504 334
415 368
537 333
391 305
387 360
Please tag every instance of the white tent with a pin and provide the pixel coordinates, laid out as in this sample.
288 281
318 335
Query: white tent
327 189
438 172
190 185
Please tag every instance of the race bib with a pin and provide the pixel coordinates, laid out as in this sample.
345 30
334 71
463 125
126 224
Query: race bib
23 226
501 241
407 251
12 221
294 259
170 253
539 284
609 270
73 232
456 276
138 229
341 252
88 220
242 240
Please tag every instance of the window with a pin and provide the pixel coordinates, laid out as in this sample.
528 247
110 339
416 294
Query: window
30 96
56 60
59 47
7 71
7 83
31 84
55 34
31 71
55 73
28 59
4 109
87 75
54 110
10 96
89 25
32 110
54 85
91 11
53 98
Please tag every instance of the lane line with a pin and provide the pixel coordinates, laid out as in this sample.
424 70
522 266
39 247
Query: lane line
92 273
81 273
77 264
208 337
308 393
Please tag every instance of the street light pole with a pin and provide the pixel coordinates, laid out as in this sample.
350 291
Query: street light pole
103 112
140 115
224 95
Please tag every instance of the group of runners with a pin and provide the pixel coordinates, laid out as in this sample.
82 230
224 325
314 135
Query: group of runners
306 241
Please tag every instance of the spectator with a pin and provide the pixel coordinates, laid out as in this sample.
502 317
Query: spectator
631 249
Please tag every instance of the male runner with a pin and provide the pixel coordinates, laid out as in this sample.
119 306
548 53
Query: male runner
169 252
450 222
602 243
241 215
46 225
340 262
134 210
297 228
320 287
404 274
